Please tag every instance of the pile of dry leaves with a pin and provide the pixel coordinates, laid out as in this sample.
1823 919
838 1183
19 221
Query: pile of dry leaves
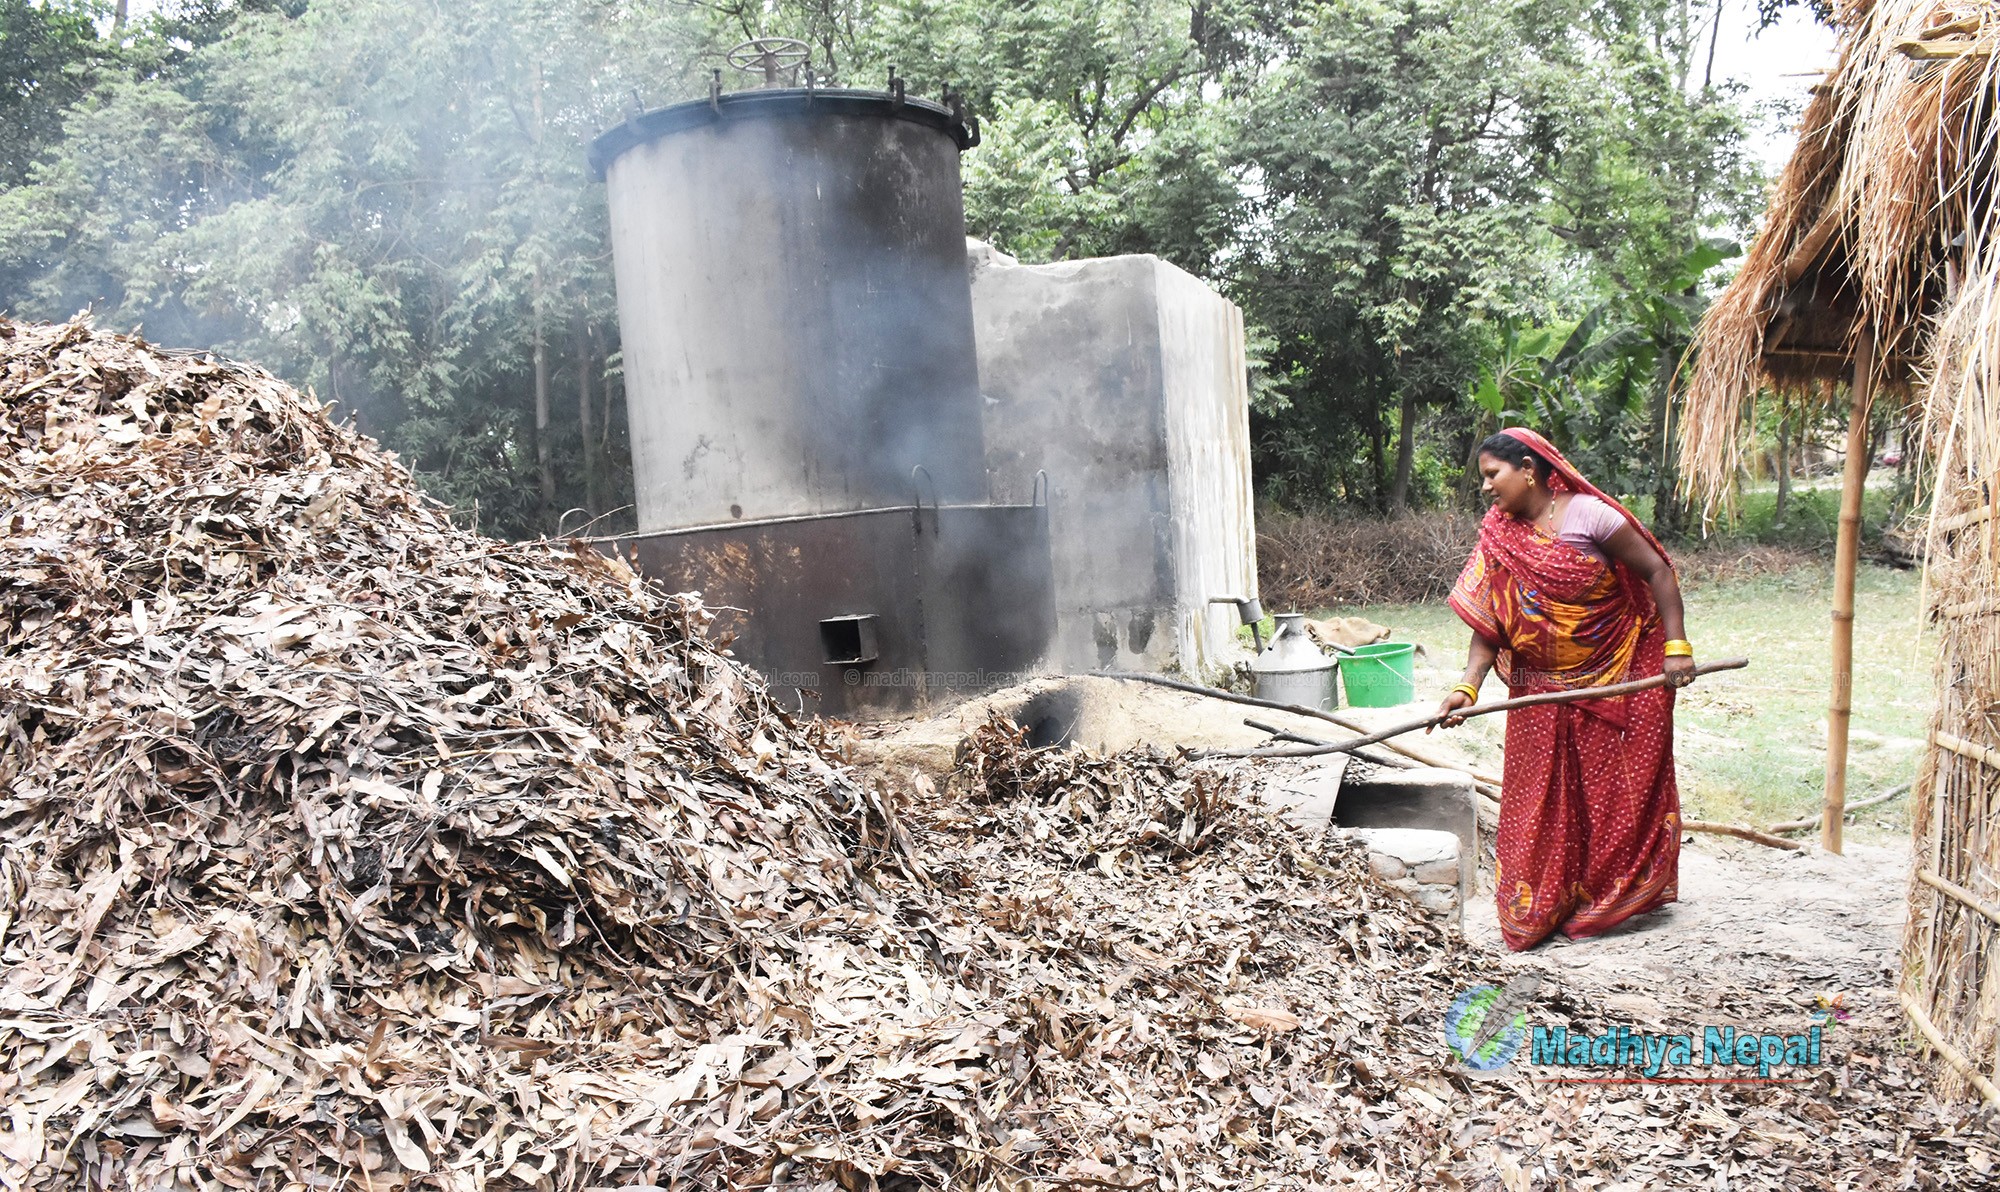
342 844
1252 1013
344 848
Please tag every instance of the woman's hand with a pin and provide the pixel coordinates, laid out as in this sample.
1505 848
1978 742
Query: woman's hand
1679 671
1449 709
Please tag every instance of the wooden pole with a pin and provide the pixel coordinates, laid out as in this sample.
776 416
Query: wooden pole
1742 833
1846 554
1525 701
1951 1055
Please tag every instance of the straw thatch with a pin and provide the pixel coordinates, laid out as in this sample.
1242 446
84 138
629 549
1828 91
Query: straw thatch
1882 227
1879 208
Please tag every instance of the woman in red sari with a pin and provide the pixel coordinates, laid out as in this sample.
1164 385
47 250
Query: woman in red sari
1566 590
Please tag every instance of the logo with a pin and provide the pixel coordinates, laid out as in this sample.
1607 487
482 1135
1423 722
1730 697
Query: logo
1832 1010
1487 1025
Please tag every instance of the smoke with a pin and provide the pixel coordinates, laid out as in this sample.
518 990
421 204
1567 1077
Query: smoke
379 202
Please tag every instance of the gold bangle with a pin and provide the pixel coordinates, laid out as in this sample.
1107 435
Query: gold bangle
1678 648
1471 692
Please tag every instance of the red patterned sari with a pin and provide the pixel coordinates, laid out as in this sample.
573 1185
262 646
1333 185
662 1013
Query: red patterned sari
1589 813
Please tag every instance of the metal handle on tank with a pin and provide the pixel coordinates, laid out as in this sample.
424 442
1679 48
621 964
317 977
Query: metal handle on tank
1039 495
918 487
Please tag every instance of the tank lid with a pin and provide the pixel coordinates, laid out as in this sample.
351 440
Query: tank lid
784 101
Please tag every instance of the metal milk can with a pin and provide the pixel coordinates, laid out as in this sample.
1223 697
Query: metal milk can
1292 669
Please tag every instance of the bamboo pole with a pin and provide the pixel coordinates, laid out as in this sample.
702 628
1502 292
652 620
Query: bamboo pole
1959 893
1847 553
1963 520
1971 751
1951 1055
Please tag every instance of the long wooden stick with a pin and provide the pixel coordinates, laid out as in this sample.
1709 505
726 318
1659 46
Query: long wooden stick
1743 833
1846 554
1490 787
1479 777
1960 893
1417 755
1251 701
1863 805
1287 735
1970 750
1526 701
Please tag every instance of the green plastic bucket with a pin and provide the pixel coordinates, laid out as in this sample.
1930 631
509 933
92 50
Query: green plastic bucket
1380 676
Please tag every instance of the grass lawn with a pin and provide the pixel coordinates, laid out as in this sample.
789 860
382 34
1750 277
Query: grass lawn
1811 515
1751 743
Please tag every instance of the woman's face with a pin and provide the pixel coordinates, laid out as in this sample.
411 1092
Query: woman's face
1512 488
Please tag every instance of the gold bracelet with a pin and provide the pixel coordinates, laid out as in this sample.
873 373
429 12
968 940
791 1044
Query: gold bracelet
1679 648
1471 692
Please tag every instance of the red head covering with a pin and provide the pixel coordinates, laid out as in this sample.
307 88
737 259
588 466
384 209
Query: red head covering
1563 477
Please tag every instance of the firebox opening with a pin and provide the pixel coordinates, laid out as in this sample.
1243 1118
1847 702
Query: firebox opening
849 640
1050 717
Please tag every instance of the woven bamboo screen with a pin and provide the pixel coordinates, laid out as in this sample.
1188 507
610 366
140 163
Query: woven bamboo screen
1951 965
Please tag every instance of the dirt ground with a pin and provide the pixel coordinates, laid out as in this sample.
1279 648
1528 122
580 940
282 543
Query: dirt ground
1759 936
1797 925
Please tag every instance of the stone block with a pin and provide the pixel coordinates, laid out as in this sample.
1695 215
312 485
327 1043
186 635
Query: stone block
1420 864
1419 797
1386 867
1411 846
1307 799
1438 900
1422 800
1437 873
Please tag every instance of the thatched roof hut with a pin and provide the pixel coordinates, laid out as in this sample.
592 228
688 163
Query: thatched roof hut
1879 267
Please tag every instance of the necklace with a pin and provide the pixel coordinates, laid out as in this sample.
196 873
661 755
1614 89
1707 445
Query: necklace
1547 520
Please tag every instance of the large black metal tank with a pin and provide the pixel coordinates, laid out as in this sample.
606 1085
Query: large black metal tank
793 303
803 392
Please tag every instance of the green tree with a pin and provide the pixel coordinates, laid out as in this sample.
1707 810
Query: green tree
1394 153
386 202
49 55
1103 128
1656 163
390 203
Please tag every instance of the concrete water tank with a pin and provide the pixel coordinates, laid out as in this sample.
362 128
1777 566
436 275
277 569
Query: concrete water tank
1123 379
793 304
